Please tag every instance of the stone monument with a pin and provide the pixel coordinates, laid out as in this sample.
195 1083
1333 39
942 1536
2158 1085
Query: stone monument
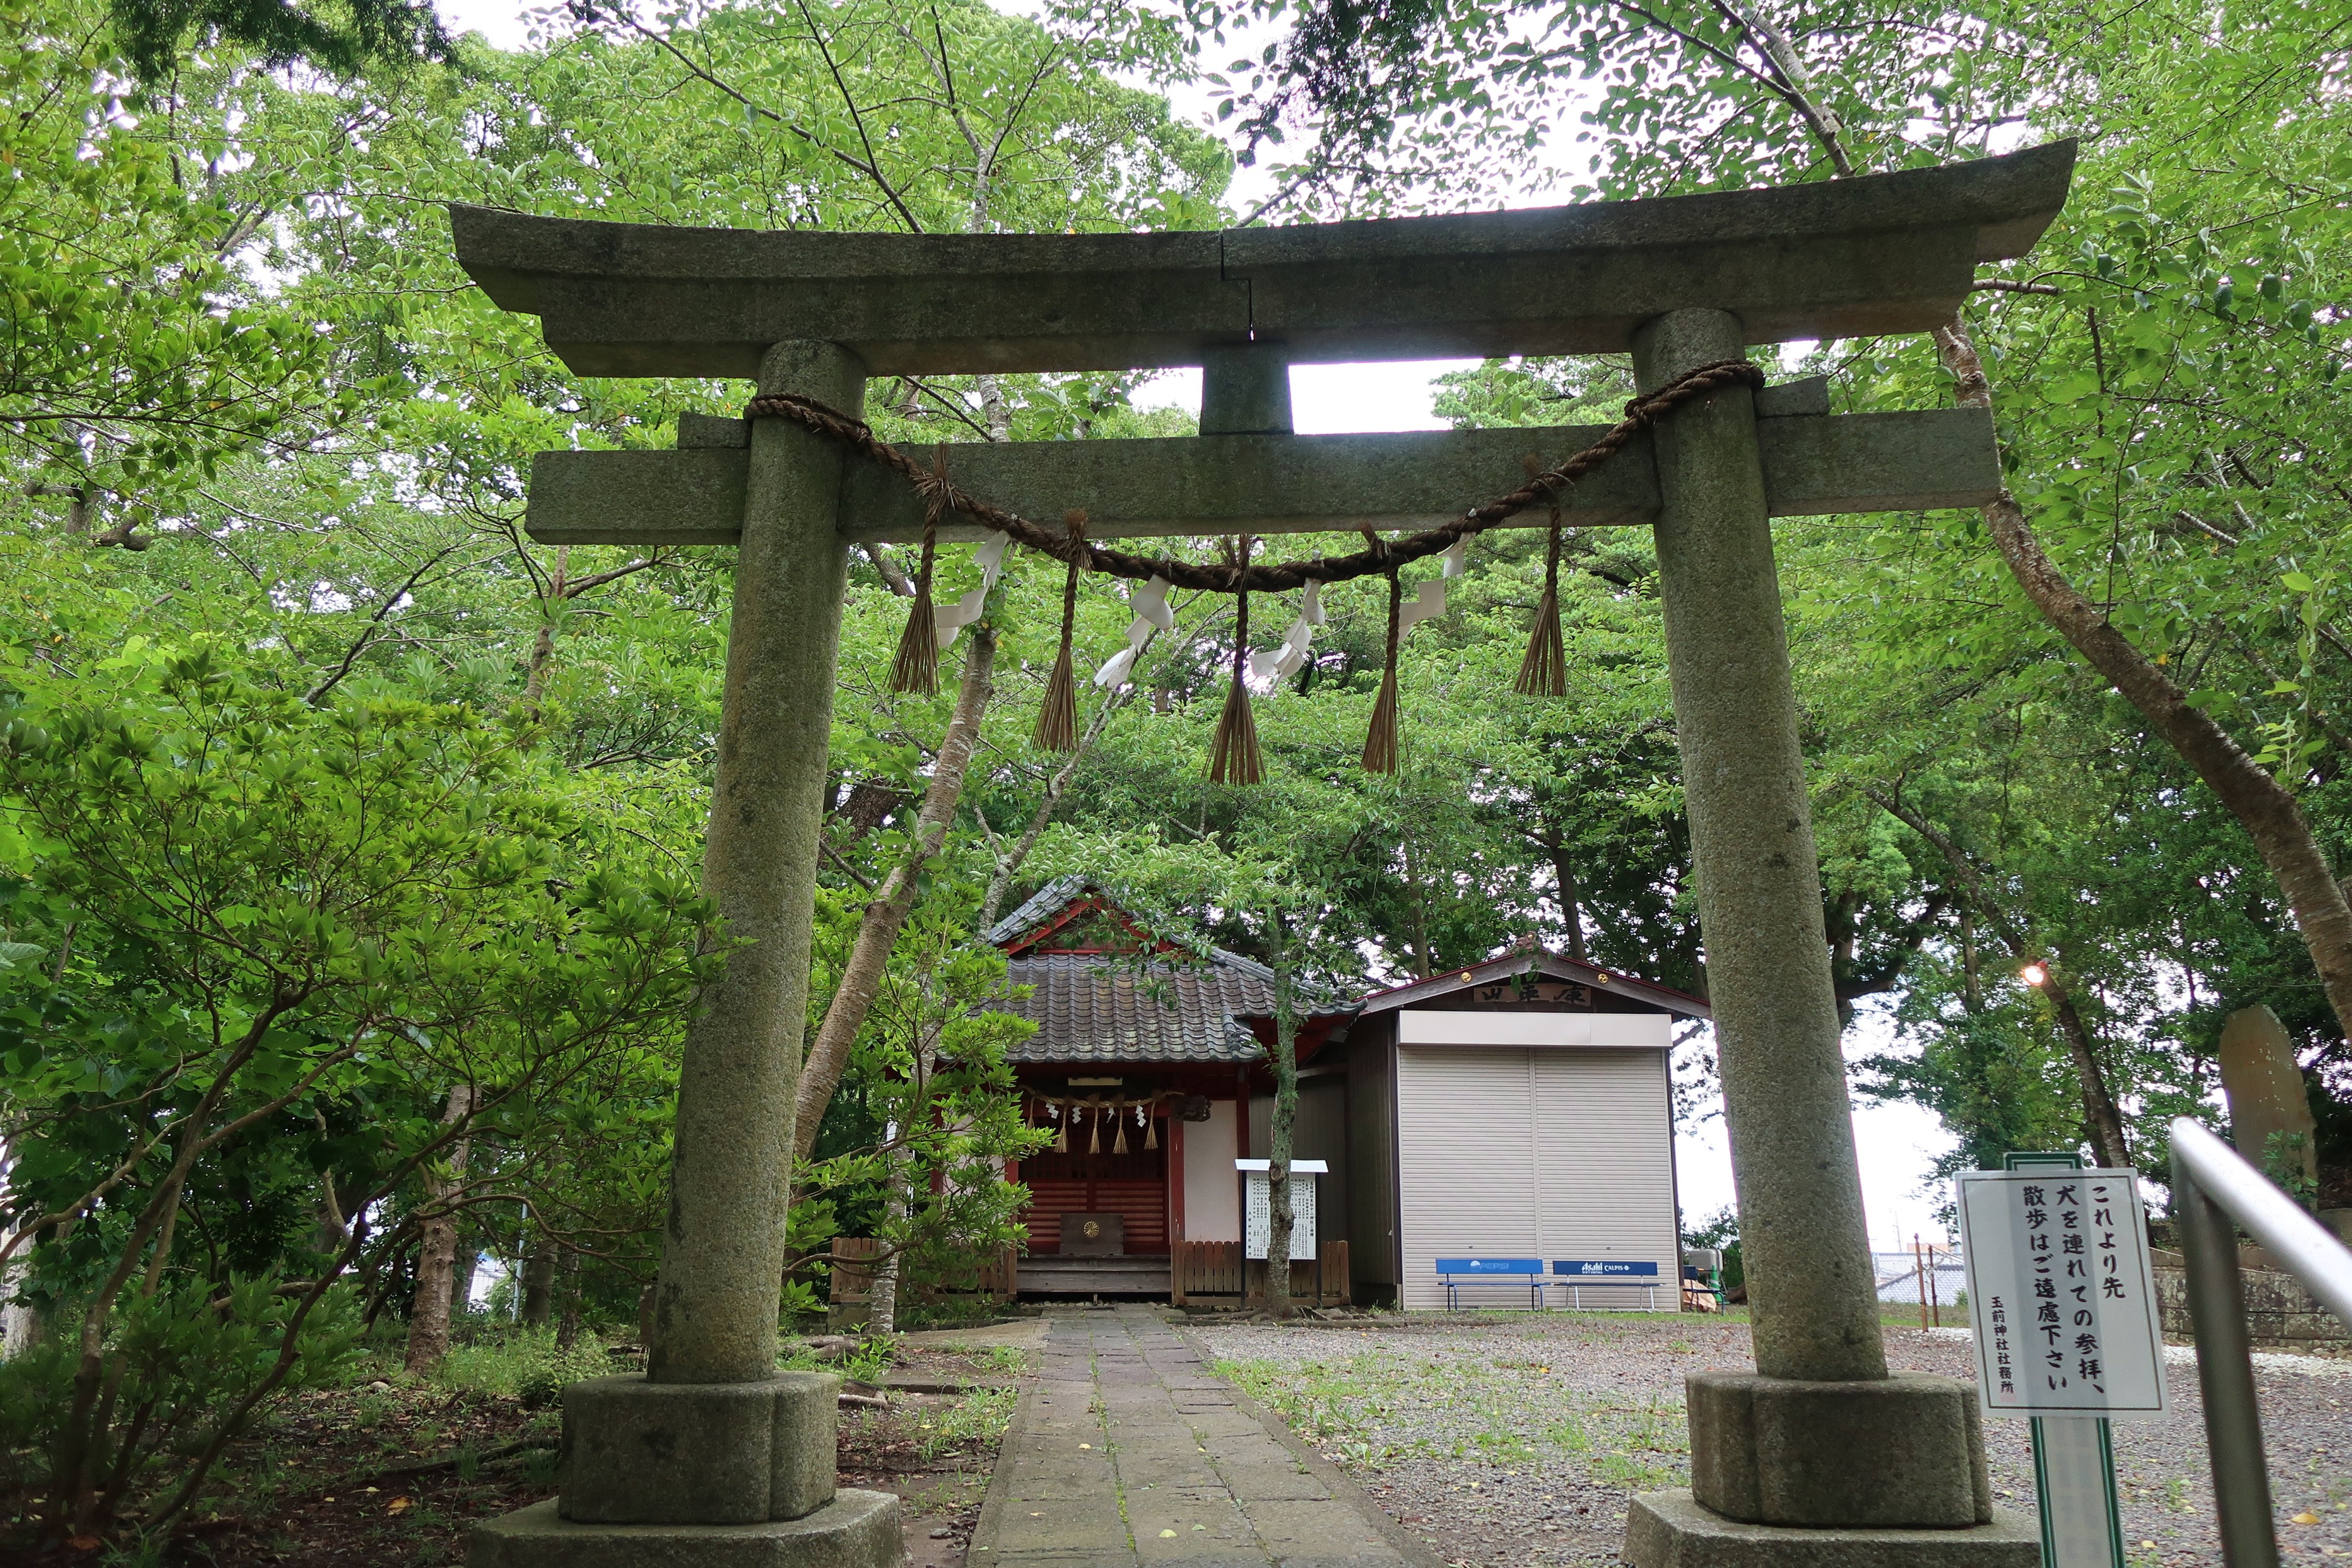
711 1456
2264 1086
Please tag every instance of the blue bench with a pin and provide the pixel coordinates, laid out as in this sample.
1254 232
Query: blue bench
1577 1272
1458 1271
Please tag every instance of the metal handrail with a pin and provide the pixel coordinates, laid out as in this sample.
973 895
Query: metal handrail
2214 1193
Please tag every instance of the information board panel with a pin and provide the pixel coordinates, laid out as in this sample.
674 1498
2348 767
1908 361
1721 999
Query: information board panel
2060 1293
1257 1215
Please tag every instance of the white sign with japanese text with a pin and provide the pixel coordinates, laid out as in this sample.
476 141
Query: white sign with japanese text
1257 1211
2060 1293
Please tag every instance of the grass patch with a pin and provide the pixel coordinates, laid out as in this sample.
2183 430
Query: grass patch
1390 1406
1633 1474
1506 1450
1339 1406
872 1359
977 1421
1002 1358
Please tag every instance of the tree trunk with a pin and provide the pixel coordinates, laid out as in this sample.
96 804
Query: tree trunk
464 1261
882 1287
1570 896
995 414
1971 987
543 642
428 1314
2265 808
2100 1114
861 976
1280 1216
1424 962
539 1284
567 1325
1008 865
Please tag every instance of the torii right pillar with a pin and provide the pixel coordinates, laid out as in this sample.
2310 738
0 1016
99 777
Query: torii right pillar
1821 1456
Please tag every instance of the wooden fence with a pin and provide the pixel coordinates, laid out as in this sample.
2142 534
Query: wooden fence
853 1268
1001 1276
853 1273
1216 1270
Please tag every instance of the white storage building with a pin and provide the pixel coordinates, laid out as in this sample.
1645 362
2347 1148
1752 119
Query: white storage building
1522 1108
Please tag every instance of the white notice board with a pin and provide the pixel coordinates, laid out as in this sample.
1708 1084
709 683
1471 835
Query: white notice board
1257 1207
2061 1294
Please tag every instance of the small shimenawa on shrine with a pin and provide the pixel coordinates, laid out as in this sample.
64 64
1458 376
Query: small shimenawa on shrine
1518 1108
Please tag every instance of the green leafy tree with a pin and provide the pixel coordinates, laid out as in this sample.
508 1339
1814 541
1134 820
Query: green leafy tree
253 913
139 356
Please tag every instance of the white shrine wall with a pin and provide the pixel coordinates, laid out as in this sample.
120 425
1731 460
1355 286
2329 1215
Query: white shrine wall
1213 1194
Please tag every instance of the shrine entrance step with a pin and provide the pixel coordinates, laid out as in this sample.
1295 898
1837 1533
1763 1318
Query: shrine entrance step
1127 1453
1135 1274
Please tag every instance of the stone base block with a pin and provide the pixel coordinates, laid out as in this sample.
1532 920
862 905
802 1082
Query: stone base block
856 1530
697 1453
1670 1529
1904 1453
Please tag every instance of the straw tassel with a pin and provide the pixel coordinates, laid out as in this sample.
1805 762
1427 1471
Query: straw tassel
1151 1131
1058 720
1093 1132
1544 672
917 667
1380 743
1061 1130
1233 753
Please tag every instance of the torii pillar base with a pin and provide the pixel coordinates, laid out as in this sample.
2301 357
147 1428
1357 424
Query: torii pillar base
697 1475
1671 1530
1787 1473
856 1530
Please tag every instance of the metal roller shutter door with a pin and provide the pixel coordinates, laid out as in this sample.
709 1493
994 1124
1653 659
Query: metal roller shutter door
1604 1172
1465 1152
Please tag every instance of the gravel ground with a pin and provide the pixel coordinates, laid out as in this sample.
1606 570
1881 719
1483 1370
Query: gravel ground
1520 1442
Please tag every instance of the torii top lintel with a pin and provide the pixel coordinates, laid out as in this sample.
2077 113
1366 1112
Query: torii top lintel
1880 254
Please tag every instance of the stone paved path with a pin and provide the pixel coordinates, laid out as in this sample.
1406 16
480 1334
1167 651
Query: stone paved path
1127 1452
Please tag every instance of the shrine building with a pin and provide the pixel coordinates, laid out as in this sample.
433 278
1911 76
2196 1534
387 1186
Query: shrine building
1519 1108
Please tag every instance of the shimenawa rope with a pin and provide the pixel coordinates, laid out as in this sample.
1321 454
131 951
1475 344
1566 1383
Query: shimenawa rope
942 495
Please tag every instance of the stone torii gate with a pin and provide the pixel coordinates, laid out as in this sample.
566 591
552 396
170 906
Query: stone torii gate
713 1455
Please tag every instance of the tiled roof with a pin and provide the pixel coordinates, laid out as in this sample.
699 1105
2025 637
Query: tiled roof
1040 907
1092 1008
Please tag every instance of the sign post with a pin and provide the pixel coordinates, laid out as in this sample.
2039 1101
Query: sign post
2066 1332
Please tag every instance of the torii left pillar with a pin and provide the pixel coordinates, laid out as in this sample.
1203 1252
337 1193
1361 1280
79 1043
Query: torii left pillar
713 1457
